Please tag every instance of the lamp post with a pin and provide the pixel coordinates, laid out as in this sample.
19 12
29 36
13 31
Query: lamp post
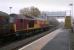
71 9
71 14
10 9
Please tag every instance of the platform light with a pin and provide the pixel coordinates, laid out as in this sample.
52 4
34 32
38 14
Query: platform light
71 9
10 9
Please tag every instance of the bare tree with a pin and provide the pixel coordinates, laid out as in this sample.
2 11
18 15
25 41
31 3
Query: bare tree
53 21
25 11
35 11
32 11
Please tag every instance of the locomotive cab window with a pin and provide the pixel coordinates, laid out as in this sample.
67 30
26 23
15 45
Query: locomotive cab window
31 24
21 20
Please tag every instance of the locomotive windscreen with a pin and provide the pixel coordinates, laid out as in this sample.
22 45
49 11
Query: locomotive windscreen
31 23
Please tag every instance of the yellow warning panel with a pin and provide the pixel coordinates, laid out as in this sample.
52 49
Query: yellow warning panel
68 23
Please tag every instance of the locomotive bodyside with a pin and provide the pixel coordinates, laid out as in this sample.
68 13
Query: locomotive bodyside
28 24
41 24
21 23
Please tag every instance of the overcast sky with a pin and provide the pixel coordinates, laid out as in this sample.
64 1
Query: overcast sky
43 5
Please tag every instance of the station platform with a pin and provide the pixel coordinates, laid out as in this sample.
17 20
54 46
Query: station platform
56 40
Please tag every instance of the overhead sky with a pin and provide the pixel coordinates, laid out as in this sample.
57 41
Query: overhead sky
43 5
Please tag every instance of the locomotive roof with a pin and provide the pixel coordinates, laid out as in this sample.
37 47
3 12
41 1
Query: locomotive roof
25 17
19 16
35 18
3 14
38 18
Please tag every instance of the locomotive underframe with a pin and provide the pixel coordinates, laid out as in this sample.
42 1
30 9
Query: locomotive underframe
24 32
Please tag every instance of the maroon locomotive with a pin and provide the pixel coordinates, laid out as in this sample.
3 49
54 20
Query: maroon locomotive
14 24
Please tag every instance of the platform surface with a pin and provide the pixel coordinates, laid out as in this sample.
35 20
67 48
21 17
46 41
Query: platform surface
56 40
60 42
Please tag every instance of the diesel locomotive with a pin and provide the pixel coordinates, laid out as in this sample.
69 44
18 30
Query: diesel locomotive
14 24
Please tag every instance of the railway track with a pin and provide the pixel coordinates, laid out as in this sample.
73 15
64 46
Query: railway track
16 43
